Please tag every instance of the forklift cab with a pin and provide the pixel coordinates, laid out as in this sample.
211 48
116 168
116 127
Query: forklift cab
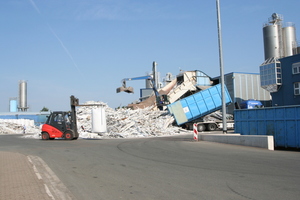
60 120
59 125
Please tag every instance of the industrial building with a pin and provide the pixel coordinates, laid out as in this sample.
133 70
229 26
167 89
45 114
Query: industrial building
241 87
280 72
280 75
288 92
244 86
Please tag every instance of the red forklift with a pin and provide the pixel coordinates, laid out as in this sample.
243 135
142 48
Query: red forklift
62 124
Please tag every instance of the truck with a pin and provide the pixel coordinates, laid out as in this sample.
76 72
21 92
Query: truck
193 108
62 124
251 104
209 125
210 122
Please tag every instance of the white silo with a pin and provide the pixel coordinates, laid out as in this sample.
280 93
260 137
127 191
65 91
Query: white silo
22 96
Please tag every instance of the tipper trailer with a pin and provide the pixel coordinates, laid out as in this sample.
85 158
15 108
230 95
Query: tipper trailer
191 109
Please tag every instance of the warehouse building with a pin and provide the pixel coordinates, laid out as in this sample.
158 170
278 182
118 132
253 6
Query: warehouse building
280 72
244 86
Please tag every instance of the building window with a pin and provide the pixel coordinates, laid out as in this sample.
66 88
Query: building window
296 68
297 88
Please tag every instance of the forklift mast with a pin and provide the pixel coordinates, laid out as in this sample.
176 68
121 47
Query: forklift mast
74 102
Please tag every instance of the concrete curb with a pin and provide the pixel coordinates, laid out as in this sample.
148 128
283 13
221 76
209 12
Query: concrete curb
261 141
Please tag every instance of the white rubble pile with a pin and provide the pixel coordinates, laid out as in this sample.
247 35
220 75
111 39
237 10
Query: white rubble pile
121 123
124 122
10 128
16 126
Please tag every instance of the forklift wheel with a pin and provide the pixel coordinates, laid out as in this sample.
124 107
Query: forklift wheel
45 136
68 136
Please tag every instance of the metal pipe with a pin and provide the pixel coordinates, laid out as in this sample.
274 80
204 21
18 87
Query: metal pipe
155 75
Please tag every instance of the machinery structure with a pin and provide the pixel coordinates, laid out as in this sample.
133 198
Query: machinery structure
62 124
161 99
152 81
123 88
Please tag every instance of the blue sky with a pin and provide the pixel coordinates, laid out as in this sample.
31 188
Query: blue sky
85 48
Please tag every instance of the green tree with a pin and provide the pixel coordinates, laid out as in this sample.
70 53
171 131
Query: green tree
45 109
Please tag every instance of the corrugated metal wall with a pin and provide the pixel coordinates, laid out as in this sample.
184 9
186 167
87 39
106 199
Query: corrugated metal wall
281 122
242 86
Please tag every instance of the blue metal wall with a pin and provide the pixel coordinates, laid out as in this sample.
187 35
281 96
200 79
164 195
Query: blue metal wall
285 95
39 118
281 122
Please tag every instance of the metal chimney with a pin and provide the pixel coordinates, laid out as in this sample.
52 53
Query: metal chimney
22 96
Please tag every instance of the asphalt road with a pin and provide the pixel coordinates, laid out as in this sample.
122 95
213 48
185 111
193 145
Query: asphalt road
165 168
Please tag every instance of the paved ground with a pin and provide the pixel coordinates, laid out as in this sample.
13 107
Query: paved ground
19 180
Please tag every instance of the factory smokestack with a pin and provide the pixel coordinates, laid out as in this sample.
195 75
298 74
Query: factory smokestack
22 96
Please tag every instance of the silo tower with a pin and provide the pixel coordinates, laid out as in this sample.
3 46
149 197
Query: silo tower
279 42
272 33
289 39
22 96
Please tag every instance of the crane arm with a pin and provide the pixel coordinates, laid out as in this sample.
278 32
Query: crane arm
130 89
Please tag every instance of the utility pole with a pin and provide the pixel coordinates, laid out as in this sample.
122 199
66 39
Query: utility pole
221 69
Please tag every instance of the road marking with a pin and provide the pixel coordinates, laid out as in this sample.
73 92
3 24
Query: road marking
53 185
34 169
48 191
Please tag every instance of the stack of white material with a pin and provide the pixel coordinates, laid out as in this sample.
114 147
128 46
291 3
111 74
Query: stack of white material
26 122
124 122
16 126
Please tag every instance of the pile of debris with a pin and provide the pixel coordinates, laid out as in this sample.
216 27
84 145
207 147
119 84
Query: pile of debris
17 126
121 123
10 128
124 122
